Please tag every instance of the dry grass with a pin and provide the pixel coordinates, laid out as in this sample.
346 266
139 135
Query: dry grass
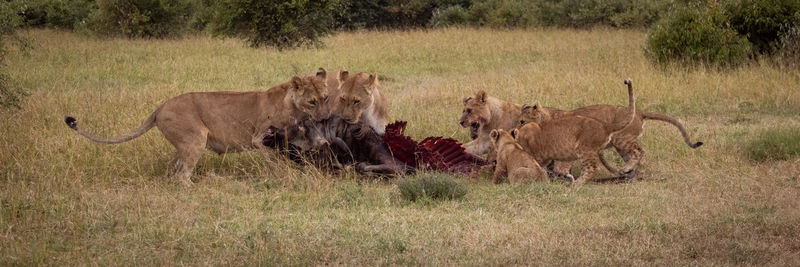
66 201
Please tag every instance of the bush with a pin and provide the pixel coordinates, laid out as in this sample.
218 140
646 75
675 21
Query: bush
789 52
432 186
10 21
274 23
449 16
583 13
502 13
697 34
66 14
141 18
775 144
760 21
387 14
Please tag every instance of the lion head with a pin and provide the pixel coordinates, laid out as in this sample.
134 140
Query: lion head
499 138
535 113
475 113
356 94
311 94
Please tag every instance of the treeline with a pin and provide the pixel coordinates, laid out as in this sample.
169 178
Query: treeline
266 22
697 31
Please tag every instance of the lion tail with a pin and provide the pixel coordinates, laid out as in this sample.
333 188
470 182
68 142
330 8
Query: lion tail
631 108
606 164
670 120
146 126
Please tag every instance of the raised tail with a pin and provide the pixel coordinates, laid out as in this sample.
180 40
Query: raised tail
661 117
146 125
631 109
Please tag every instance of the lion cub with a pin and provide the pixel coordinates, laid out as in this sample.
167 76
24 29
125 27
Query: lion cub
512 160
228 121
361 98
625 142
573 137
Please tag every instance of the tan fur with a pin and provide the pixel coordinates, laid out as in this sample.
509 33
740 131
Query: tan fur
625 142
572 137
513 161
229 121
484 113
361 98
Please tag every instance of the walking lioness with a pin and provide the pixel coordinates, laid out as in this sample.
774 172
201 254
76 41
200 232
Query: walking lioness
228 121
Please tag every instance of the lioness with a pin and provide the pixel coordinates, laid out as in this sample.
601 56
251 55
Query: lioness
227 121
573 137
625 142
484 113
512 160
362 99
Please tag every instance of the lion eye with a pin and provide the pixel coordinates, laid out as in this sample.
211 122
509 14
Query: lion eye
312 103
341 99
356 101
522 122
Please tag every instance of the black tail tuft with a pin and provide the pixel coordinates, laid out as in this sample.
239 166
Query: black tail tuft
71 122
696 145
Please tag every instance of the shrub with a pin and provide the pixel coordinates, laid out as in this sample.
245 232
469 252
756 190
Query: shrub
274 23
64 14
502 13
760 21
449 16
432 186
583 13
775 144
789 52
697 34
141 18
10 21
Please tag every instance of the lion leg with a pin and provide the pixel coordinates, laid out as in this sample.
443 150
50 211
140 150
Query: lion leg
478 146
499 172
189 149
520 175
562 168
635 153
589 162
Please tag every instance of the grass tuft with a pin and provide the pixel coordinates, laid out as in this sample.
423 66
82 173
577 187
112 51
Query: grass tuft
775 144
432 186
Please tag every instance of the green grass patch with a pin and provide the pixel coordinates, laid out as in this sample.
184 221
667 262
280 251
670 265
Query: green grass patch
775 144
432 186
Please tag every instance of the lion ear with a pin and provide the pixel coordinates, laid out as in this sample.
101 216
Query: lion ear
343 75
322 74
494 134
481 96
514 133
373 82
466 99
296 83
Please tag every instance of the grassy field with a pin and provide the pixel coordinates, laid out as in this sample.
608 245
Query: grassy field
67 201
